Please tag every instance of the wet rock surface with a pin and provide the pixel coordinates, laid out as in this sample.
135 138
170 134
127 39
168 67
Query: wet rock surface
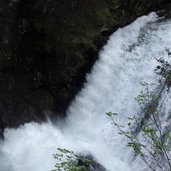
93 165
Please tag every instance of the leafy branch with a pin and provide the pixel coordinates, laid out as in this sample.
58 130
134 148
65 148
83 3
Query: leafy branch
145 134
69 161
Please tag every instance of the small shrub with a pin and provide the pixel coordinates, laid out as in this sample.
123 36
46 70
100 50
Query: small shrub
145 134
69 161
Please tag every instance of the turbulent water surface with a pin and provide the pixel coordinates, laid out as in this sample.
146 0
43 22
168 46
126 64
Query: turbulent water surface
128 58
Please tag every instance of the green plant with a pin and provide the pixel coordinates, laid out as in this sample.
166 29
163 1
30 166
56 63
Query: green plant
164 69
145 134
69 161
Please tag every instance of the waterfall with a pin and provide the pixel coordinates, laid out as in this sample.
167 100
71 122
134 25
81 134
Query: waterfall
128 58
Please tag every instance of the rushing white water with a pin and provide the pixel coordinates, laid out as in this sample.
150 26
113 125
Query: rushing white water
127 59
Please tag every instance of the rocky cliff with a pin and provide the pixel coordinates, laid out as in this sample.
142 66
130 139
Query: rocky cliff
47 47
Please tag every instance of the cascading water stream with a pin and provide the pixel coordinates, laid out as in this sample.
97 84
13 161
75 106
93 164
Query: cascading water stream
127 59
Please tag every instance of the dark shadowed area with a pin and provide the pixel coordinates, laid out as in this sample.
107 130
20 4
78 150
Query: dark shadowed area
47 47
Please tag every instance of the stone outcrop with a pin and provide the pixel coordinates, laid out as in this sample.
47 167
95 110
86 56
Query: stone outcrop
89 162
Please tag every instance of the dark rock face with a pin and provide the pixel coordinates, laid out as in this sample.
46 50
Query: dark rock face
47 47
92 165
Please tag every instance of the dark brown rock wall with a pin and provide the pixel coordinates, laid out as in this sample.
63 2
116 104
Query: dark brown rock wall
47 47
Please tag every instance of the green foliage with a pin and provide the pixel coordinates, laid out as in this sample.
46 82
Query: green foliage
69 161
164 69
148 140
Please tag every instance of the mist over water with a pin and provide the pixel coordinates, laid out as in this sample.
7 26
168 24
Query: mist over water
128 58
